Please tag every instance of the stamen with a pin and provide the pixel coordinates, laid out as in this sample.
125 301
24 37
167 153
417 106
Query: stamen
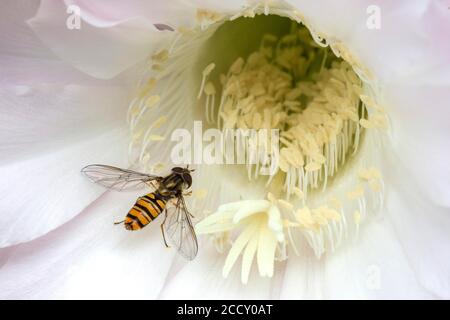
210 92
161 56
207 17
205 75
148 138
318 120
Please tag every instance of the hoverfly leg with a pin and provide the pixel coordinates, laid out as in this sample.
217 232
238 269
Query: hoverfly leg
164 237
119 222
162 230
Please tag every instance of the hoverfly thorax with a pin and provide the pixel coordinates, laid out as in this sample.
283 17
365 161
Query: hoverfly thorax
176 182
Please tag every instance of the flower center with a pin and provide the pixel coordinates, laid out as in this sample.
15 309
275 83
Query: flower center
256 70
284 80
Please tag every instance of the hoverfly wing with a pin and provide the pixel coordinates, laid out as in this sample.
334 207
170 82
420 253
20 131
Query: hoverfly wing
116 178
180 231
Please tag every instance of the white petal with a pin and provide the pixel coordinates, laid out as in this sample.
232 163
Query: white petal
236 206
421 137
266 252
421 228
49 117
237 248
47 136
331 17
396 50
43 192
409 48
204 279
416 92
23 57
105 13
100 52
217 222
373 266
50 127
250 208
230 6
247 258
215 228
274 223
89 258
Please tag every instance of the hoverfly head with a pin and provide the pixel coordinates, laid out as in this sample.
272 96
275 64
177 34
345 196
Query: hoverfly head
188 179
185 174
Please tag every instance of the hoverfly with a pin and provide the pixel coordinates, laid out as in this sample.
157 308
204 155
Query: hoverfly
166 198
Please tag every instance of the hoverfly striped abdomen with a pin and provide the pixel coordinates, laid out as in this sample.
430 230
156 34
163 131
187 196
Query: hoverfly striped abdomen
145 210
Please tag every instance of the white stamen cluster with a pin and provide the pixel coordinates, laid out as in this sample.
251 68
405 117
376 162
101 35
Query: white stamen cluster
260 232
318 112
321 112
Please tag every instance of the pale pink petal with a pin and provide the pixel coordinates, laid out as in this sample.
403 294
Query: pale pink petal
203 277
23 57
102 52
405 51
106 13
53 121
421 137
409 42
229 7
174 13
89 258
372 266
332 18
42 192
420 218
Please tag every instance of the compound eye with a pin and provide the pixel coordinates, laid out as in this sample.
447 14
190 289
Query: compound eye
178 170
188 179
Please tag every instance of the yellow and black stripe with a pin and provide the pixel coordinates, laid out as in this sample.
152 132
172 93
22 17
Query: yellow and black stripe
145 210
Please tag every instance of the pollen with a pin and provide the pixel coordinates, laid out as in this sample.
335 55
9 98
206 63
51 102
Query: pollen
312 97
316 99
207 17
152 101
155 137
161 56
